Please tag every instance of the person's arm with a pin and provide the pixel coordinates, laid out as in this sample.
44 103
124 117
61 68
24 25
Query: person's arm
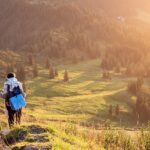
3 93
5 89
22 90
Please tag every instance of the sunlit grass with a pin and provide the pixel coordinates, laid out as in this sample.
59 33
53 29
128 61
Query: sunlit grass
85 98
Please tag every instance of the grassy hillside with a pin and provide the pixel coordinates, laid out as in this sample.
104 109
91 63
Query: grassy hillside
66 26
104 46
84 99
72 137
74 115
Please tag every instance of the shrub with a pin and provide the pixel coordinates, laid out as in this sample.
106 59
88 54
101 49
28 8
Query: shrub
35 71
16 135
51 73
66 77
56 72
107 76
21 74
71 129
135 86
117 111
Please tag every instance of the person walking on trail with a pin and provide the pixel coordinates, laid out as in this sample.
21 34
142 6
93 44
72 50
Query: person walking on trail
14 116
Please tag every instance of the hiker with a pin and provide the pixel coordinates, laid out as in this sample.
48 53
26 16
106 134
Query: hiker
9 85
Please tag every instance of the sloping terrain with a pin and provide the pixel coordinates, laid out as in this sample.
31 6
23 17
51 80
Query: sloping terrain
75 114
72 137
85 99
38 25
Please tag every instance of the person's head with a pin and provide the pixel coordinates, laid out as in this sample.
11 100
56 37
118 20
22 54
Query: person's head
11 75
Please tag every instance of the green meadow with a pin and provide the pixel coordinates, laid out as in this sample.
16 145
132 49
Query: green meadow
74 115
84 99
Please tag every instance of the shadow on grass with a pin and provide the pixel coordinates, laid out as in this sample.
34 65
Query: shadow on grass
43 87
125 117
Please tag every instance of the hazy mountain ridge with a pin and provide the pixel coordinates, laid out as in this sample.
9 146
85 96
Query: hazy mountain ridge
23 22
24 25
28 24
115 7
84 65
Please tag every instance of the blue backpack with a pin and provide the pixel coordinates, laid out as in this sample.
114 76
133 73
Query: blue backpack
16 99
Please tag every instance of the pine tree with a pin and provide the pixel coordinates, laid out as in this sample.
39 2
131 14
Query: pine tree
74 59
31 60
140 82
21 73
82 58
35 71
56 73
117 68
106 76
51 66
135 86
110 110
47 64
51 73
129 71
66 77
117 111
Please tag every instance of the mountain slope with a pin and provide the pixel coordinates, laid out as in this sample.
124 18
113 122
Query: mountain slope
54 29
22 22
28 24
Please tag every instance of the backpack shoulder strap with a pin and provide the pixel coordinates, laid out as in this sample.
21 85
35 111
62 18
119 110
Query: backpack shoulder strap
8 94
8 88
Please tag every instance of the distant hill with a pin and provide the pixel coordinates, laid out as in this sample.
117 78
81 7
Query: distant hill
114 7
47 26
57 28
23 22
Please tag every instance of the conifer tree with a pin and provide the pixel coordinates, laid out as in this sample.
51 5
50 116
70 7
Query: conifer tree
82 58
110 110
66 77
135 86
51 73
129 71
31 60
117 111
140 82
106 75
21 73
117 68
56 73
51 66
74 59
47 64
35 71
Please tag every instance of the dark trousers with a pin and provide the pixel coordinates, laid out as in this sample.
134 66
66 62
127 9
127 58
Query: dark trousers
14 116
